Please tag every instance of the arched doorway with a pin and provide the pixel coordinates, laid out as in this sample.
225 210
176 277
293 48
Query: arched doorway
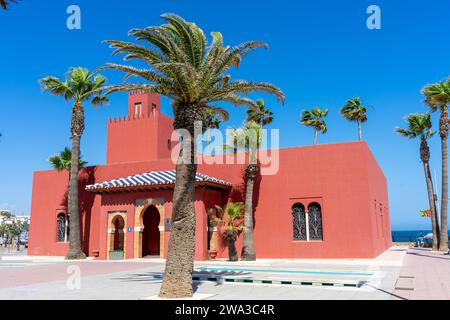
118 242
117 238
150 234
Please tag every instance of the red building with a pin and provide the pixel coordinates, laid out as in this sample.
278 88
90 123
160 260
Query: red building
325 201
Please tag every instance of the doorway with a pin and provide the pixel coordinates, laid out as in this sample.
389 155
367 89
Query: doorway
117 238
150 234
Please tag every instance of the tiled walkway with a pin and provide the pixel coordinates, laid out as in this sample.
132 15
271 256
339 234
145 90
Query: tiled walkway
425 276
39 278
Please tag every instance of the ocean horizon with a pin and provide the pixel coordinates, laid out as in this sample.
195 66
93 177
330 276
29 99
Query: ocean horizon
407 235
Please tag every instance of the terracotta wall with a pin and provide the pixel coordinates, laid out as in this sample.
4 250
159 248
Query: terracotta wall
139 137
344 178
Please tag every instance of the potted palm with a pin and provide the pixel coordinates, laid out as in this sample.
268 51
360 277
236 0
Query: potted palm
232 216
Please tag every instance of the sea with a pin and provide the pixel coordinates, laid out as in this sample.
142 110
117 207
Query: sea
408 235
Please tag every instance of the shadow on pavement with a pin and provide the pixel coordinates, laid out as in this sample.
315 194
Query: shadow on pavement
387 292
429 256
199 277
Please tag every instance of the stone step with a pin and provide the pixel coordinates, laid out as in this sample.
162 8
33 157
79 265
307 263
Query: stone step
405 282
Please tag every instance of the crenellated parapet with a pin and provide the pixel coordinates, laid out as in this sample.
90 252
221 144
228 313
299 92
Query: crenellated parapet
143 134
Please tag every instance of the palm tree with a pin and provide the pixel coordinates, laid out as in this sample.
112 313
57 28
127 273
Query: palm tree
315 118
437 97
62 161
79 86
6 3
248 138
419 126
213 120
230 216
194 74
355 111
260 114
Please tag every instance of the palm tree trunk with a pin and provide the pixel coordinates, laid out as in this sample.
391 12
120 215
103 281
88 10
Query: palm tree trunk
359 131
443 128
248 248
231 236
434 220
316 133
77 127
66 234
177 281
425 157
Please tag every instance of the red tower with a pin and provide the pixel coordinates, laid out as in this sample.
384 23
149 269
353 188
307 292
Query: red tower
143 135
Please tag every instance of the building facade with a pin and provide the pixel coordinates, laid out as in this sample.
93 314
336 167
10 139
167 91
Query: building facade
324 201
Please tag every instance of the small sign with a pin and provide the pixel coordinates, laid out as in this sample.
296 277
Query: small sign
130 229
167 224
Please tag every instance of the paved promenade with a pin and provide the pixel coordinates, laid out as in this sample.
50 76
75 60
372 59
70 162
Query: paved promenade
424 276
23 277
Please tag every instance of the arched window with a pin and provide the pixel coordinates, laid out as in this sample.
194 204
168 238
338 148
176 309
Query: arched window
61 234
299 221
315 221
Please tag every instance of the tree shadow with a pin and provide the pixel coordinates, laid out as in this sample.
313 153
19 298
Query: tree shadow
430 256
198 277
387 292
151 277
203 276
64 204
87 176
256 191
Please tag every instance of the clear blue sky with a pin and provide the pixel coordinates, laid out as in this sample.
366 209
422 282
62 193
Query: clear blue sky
321 53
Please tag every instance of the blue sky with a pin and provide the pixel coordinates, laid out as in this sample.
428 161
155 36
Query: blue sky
321 54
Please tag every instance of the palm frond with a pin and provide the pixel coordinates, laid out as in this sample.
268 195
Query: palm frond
353 110
418 125
437 95
259 113
63 160
6 3
185 67
79 85
246 138
315 118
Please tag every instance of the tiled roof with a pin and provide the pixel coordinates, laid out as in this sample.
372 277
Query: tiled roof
150 179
